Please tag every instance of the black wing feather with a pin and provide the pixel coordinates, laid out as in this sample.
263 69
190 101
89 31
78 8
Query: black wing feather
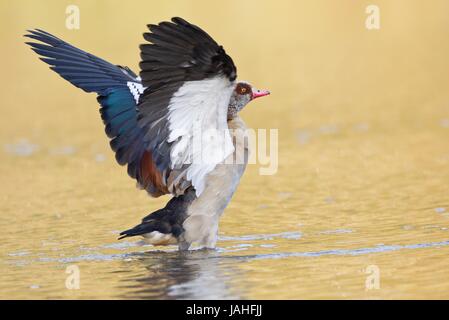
179 52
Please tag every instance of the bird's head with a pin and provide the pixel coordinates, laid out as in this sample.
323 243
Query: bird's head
242 94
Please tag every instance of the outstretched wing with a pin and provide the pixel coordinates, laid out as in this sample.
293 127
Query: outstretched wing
82 69
189 80
118 90
183 110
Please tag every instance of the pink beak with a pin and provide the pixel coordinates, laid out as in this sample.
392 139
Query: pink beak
260 93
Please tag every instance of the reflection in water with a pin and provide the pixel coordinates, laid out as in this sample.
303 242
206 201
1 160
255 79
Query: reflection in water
200 274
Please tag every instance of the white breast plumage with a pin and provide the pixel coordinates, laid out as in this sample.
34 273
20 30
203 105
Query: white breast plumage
198 128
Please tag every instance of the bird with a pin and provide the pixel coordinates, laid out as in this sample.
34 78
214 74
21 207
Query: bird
176 125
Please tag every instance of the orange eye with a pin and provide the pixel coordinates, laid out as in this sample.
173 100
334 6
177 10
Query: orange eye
242 90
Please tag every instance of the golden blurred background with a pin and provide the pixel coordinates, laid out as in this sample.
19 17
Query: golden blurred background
363 179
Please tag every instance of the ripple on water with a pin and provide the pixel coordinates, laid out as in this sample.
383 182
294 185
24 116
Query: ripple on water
221 252
286 235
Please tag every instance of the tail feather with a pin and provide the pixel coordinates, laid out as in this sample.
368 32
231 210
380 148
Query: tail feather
150 226
166 221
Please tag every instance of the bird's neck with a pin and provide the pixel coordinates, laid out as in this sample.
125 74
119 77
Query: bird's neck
236 123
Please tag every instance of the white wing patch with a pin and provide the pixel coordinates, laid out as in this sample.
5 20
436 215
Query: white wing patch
136 89
198 128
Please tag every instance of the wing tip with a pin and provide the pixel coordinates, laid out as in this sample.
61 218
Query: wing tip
180 21
42 36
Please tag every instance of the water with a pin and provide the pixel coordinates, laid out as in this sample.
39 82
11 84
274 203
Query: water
363 175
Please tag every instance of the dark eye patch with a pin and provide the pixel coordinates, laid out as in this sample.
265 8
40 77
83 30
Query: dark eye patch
243 88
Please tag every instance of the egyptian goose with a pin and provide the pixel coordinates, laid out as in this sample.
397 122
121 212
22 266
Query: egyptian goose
187 89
